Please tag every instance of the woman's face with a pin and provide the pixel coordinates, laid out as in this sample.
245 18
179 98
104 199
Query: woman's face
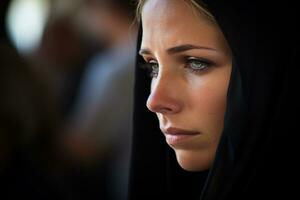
191 66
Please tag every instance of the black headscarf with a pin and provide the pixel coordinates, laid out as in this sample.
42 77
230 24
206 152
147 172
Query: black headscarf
256 157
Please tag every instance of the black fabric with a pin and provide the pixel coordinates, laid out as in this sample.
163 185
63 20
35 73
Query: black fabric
3 12
257 154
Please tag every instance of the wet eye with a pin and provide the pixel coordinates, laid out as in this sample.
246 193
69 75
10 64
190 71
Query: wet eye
152 65
197 64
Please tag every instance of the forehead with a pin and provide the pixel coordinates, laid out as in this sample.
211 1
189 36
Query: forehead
176 22
167 11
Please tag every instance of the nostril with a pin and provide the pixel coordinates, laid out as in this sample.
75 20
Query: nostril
166 110
163 108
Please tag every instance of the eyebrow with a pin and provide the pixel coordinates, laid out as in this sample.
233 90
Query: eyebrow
177 49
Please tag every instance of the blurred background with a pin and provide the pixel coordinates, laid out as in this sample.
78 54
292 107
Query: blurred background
66 90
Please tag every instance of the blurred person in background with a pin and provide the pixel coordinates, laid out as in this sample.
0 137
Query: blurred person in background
28 123
97 133
93 105
63 53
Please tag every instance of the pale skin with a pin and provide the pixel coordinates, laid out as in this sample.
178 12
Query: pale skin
191 65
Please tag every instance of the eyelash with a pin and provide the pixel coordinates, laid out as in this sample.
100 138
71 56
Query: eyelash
153 67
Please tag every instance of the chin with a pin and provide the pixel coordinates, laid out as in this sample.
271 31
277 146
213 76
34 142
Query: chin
194 160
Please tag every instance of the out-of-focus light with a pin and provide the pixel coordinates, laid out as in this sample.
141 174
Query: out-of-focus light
26 21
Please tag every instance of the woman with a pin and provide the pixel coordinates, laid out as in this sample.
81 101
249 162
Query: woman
221 96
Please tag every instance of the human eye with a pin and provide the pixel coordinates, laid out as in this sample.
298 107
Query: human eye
196 65
152 67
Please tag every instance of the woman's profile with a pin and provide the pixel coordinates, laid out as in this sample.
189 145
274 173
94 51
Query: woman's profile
211 100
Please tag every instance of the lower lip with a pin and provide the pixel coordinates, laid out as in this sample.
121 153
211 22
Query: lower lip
178 139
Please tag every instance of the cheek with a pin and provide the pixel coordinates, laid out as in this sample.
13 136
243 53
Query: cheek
210 98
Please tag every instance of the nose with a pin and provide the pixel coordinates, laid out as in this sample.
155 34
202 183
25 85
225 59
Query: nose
164 97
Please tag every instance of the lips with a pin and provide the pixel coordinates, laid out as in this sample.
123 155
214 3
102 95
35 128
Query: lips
175 136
